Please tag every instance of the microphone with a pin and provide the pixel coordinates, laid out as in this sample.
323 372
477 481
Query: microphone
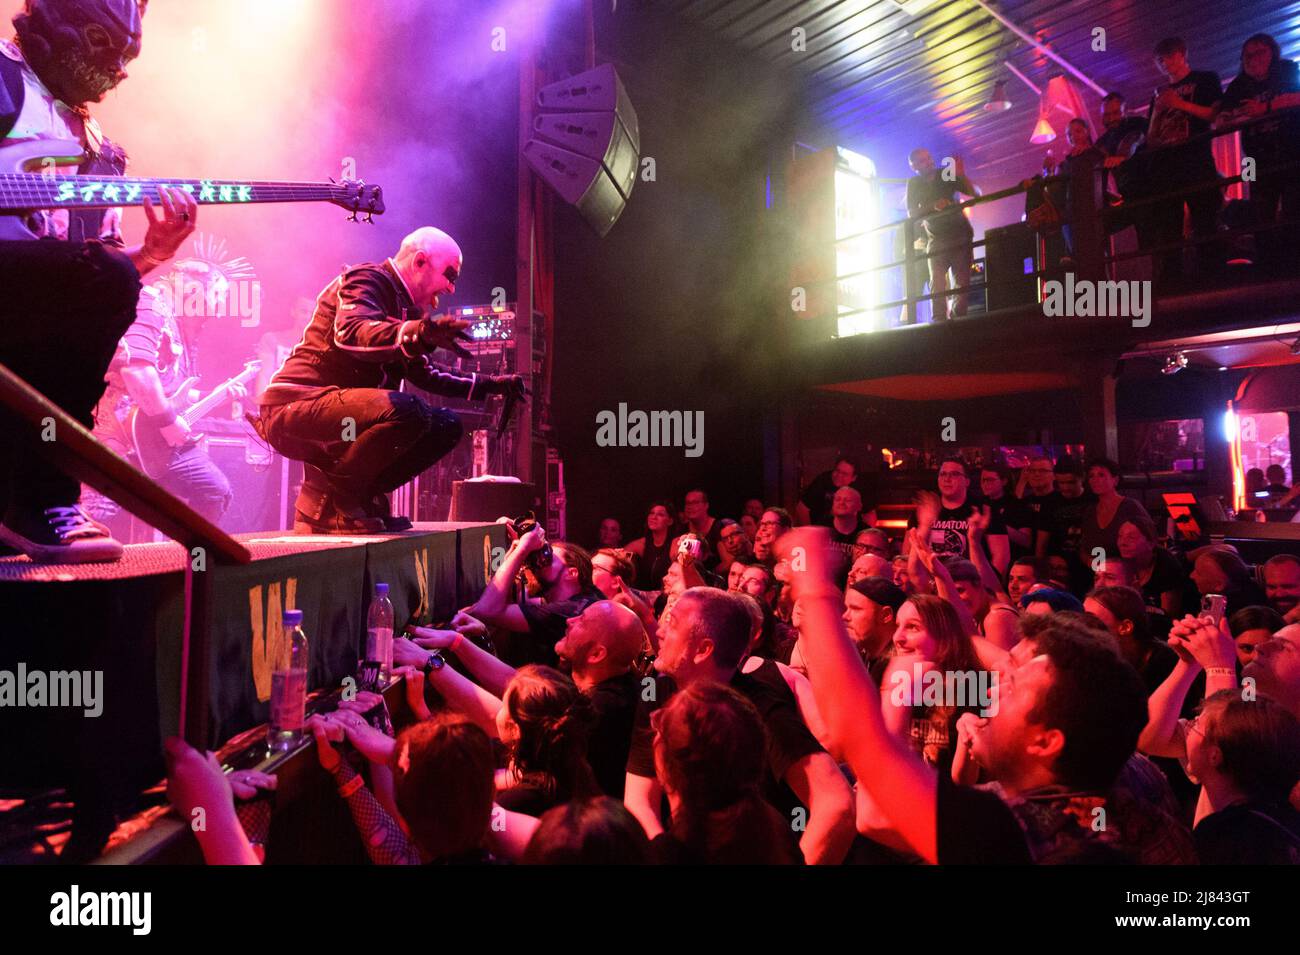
510 400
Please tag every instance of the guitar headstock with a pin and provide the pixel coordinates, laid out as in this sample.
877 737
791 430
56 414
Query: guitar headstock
359 198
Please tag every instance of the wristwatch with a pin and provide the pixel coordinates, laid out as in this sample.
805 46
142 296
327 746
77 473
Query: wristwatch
435 662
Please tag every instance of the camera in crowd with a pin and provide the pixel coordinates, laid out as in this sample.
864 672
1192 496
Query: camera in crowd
538 558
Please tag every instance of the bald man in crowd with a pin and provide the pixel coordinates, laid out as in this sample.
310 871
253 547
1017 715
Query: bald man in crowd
336 404
598 648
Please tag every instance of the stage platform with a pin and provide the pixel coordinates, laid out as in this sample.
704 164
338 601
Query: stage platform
121 625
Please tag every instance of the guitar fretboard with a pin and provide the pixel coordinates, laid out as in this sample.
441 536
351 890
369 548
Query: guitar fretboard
37 191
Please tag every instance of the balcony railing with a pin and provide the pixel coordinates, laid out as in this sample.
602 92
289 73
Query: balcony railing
1092 253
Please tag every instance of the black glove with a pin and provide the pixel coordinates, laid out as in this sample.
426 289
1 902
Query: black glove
508 385
445 332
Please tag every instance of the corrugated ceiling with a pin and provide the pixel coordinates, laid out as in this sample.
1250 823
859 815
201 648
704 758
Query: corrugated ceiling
877 74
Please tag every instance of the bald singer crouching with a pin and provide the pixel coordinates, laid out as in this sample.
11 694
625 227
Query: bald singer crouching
335 404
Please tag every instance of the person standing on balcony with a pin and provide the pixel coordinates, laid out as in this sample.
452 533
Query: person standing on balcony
1181 111
932 197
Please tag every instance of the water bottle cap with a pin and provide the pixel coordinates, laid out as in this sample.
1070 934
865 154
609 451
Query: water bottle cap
381 590
292 618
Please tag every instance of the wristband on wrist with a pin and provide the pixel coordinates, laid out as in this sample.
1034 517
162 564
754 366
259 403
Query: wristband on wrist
455 643
1220 671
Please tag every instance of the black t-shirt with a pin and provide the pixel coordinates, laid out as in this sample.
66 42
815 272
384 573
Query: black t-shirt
1014 512
546 624
1121 141
820 492
788 739
948 535
1122 134
1159 664
1271 140
614 702
653 563
1166 575
1066 531
923 191
976 828
1041 509
842 548
1249 834
1173 127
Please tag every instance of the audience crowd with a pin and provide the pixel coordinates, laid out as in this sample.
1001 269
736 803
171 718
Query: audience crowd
1029 672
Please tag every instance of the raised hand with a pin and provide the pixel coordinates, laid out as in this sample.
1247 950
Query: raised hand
180 216
927 512
446 332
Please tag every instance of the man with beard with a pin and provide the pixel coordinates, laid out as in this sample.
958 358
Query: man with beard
71 284
562 578
1282 585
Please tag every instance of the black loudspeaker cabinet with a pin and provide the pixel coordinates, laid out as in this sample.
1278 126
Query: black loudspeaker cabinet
255 483
488 500
1010 254
587 144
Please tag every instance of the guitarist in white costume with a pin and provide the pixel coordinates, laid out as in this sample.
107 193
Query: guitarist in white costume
70 284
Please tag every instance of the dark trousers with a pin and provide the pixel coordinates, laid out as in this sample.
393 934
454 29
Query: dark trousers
358 443
945 257
1162 222
63 307
1277 191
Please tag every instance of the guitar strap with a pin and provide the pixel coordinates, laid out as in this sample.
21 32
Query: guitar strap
106 158
12 94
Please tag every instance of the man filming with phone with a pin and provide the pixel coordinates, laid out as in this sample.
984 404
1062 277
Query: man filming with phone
559 587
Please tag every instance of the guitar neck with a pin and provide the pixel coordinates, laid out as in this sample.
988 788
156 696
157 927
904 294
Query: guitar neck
23 190
204 405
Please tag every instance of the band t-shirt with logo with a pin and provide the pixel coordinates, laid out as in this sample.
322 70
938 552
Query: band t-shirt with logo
948 535
1174 127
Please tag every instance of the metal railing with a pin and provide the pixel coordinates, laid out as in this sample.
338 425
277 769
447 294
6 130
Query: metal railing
1085 215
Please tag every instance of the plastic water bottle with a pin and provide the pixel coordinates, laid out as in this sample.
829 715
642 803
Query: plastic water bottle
379 633
289 687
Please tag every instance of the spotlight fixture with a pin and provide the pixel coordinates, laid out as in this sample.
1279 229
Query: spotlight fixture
1174 363
998 102
1043 132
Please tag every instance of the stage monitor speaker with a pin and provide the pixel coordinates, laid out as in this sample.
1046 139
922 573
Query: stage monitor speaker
255 487
1010 253
488 500
587 145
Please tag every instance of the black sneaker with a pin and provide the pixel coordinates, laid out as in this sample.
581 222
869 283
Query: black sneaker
59 535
